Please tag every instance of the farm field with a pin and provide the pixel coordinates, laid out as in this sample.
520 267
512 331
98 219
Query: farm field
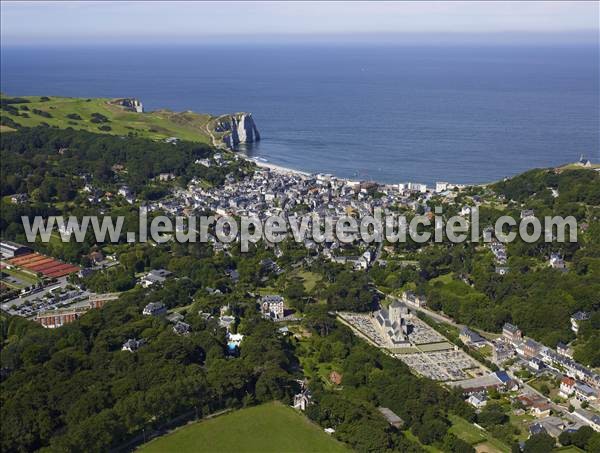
271 427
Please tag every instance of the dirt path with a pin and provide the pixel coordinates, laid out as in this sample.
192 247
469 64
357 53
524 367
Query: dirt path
215 142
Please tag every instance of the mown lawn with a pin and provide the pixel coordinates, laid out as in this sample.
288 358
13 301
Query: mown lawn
428 448
522 422
271 427
445 278
466 431
27 277
475 436
569 449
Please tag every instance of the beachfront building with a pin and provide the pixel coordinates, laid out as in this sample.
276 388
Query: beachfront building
441 186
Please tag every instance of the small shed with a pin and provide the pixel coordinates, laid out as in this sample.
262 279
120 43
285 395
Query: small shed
391 417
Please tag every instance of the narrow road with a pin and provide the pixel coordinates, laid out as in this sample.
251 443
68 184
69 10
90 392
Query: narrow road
432 314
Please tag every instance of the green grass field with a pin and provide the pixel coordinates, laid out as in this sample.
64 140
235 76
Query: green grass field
475 436
271 427
155 125
427 448
432 347
466 431
26 277
522 422
569 449
446 278
309 279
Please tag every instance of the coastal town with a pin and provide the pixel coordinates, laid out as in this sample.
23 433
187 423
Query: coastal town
300 227
547 389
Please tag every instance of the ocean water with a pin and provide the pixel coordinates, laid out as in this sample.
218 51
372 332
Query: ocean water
390 113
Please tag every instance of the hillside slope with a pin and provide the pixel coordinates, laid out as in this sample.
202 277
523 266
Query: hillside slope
79 114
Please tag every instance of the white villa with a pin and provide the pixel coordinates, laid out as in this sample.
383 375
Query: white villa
272 306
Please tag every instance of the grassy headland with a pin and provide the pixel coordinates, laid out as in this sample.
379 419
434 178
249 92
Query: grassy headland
102 115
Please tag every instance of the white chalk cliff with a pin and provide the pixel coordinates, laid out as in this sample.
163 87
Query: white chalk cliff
242 129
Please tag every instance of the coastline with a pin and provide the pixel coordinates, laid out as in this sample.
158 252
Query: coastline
276 168
291 171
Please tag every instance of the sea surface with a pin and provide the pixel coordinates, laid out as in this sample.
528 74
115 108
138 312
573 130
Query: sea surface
390 113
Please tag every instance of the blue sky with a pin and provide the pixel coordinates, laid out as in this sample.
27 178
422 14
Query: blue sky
192 22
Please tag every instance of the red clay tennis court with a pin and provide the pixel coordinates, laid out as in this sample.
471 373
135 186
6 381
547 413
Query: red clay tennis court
24 258
38 262
48 267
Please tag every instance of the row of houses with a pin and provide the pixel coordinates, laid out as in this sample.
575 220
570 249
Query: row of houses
570 367
500 256
539 356
570 387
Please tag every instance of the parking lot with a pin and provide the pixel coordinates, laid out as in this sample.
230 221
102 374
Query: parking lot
51 297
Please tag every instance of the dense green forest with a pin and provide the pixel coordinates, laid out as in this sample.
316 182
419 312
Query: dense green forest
73 389
51 166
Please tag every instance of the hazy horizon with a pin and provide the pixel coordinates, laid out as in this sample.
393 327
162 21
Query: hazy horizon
87 23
